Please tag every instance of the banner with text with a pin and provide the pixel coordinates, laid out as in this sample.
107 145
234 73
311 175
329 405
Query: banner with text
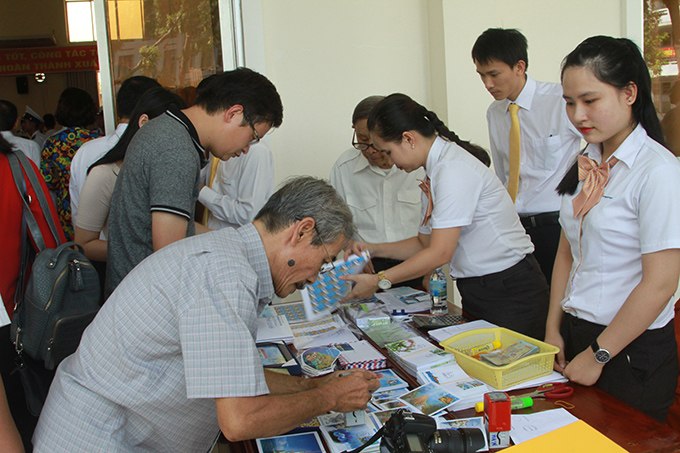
48 59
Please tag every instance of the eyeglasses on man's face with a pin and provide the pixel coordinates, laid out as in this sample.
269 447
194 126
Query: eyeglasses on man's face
252 126
361 146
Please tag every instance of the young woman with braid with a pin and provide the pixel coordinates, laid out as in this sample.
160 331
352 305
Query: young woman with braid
618 262
471 222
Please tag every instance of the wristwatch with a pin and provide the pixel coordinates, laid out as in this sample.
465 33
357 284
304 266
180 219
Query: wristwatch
601 355
383 282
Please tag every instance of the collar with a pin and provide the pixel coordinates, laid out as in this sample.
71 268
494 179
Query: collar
434 155
257 257
362 163
627 151
526 96
175 113
120 130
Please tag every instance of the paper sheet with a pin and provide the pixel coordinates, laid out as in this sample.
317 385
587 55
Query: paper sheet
528 426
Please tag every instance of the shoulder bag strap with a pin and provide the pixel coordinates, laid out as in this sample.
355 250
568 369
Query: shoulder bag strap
28 216
41 196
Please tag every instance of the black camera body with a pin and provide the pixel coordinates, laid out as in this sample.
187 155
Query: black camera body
406 432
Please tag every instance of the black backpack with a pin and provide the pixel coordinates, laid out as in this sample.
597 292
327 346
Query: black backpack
62 296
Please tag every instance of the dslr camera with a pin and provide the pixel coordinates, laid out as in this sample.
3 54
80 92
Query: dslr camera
406 432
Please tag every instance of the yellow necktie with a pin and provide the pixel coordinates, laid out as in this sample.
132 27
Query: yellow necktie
513 179
213 172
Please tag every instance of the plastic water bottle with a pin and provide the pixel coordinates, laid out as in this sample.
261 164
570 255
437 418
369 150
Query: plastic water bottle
438 293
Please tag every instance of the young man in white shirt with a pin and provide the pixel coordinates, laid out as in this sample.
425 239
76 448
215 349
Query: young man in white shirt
548 141
238 189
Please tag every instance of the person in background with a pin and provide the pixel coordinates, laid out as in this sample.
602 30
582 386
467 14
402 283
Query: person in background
50 124
170 360
156 191
468 220
92 220
75 110
11 206
33 126
547 140
235 190
131 90
8 120
384 199
618 263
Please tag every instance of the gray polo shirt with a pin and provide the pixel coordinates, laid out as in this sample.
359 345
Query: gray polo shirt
160 173
177 333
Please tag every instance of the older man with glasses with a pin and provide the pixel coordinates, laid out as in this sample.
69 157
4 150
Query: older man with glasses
170 360
384 199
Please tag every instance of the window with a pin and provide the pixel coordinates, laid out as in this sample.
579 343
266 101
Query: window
79 20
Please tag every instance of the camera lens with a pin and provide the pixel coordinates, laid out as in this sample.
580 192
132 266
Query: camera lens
462 440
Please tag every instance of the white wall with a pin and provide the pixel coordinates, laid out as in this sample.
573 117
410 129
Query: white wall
326 55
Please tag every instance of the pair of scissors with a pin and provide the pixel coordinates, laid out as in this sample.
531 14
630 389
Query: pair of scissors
552 390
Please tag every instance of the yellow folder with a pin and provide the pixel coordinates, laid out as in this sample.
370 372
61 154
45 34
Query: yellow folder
576 437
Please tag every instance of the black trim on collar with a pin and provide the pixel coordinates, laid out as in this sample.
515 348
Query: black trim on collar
175 113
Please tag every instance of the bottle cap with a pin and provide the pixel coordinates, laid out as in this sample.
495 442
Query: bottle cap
479 407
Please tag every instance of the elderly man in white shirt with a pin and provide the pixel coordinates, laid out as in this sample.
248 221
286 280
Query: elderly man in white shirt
237 188
384 199
8 120
548 141
128 94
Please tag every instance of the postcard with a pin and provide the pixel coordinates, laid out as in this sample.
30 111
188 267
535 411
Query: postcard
345 438
382 416
429 399
291 443
390 381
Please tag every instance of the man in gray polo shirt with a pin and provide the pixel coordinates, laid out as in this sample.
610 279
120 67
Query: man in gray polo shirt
170 359
157 188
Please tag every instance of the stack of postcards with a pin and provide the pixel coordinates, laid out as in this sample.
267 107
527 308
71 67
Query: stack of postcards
416 354
360 354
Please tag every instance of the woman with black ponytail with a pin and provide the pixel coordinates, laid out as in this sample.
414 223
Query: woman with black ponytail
618 262
469 221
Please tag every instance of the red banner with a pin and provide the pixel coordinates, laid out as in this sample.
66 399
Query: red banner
48 59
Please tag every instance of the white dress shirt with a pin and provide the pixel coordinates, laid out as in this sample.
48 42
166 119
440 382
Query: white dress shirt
548 144
86 155
28 147
385 203
467 194
638 214
241 188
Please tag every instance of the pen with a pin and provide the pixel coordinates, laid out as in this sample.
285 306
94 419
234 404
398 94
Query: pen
518 403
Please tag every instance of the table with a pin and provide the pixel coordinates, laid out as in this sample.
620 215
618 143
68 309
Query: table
631 429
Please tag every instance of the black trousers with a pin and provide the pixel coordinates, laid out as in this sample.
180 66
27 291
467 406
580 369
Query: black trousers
16 399
644 374
516 298
382 264
544 230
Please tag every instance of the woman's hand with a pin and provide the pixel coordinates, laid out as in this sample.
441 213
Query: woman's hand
365 285
584 369
356 248
555 339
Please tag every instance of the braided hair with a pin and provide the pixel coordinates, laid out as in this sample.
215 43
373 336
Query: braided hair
398 113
